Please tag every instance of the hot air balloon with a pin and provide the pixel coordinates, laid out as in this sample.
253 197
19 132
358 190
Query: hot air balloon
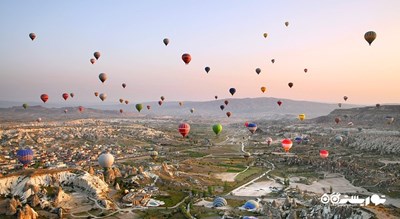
32 36
96 55
127 102
184 129
148 107
139 107
222 107
338 139
265 35
389 120
92 60
103 96
279 103
269 141
323 153
232 91
123 85
226 102
154 155
228 114
192 110
252 127
121 110
106 160
39 119
207 69
273 61
287 144
186 58
246 155
180 103
72 95
81 109
216 97
286 23
217 128
258 70
340 104
290 84
121 100
44 97
263 89
305 70
25 156
25 105
370 37
302 117
103 77
65 96
96 94
160 102
162 98
65 111
350 124
166 41
378 105
345 98
337 120
246 124
298 139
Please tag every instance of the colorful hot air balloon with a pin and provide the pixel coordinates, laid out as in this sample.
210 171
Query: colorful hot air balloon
302 117
25 105
154 155
305 70
265 35
226 102
186 58
286 23
337 120
192 110
323 153
160 102
121 110
166 41
162 98
96 55
370 37
222 107
232 91
25 156
389 120
81 109
217 128
252 127
127 102
286 144
263 89
184 129
106 160
279 103
216 97
207 69
96 94
345 98
269 141
103 96
121 100
123 85
92 60
298 139
65 96
290 84
148 107
72 95
258 70
228 114
246 124
139 107
103 77
44 97
273 61
32 36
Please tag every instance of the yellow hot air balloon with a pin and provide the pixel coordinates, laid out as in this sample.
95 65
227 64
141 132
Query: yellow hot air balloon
263 89
265 35
302 117
370 36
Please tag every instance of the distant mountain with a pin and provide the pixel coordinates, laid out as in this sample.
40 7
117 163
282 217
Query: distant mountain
247 108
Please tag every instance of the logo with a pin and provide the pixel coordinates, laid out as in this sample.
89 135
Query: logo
337 199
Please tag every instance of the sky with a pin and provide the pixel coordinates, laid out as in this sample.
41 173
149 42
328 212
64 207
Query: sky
326 37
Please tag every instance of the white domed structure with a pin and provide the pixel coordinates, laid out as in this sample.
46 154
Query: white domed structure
106 160
219 202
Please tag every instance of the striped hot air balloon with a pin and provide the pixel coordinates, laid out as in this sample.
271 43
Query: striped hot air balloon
184 129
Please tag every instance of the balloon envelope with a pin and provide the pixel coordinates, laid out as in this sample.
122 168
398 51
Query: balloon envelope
252 127
103 96
32 36
184 129
287 144
207 69
232 91
217 128
302 117
139 107
25 156
25 105
166 41
263 89
290 84
186 58
44 97
96 55
370 36
228 114
106 160
65 96
323 153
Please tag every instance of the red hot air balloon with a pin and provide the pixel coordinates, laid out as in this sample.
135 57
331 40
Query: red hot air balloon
290 84
44 97
160 102
226 102
92 60
96 94
279 102
345 98
81 109
126 101
287 144
323 153
228 114
148 107
305 70
65 96
337 120
184 129
121 110
246 124
186 58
